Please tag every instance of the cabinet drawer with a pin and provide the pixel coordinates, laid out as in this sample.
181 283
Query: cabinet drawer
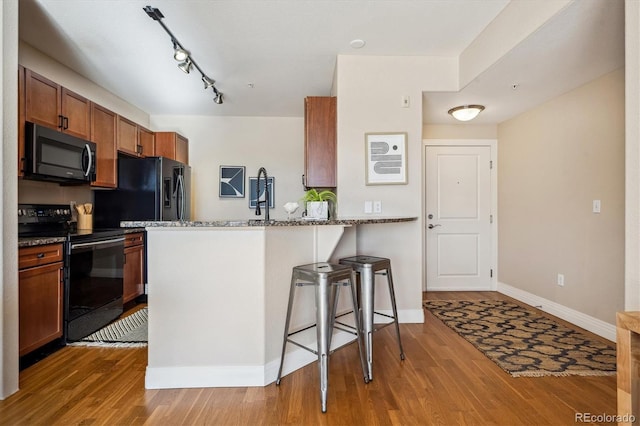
134 239
39 255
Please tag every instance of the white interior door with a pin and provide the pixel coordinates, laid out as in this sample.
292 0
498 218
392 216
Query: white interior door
458 207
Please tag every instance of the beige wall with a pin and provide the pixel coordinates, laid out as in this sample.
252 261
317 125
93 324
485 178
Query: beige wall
552 162
632 166
275 143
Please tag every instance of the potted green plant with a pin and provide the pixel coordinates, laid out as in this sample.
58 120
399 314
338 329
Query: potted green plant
317 203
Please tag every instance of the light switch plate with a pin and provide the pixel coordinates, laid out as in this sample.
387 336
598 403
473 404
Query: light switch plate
368 207
596 206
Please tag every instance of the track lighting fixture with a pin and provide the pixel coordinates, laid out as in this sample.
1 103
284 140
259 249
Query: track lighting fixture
186 65
183 55
208 82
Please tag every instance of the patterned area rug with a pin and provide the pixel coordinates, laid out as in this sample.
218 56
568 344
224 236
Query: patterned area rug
523 342
127 332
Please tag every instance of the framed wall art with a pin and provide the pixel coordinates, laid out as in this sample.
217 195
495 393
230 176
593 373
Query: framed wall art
386 158
232 181
253 181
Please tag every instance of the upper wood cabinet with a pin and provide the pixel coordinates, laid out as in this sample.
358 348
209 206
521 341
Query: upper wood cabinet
103 133
320 142
49 104
172 145
147 142
127 136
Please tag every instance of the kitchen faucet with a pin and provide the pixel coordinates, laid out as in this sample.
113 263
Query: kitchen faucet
262 171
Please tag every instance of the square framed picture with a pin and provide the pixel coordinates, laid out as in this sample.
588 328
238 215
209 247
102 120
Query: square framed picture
253 181
232 181
386 158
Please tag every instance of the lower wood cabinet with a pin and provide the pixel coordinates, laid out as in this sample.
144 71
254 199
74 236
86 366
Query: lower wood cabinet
41 296
133 285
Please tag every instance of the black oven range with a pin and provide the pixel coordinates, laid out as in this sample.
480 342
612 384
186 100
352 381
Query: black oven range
93 266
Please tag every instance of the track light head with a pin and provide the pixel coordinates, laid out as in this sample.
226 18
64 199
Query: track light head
208 82
153 12
185 66
180 54
218 98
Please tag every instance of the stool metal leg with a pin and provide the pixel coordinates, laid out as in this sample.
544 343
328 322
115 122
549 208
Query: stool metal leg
356 314
366 305
286 325
395 310
323 321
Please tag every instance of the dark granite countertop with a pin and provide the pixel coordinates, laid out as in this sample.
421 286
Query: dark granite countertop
41 241
256 222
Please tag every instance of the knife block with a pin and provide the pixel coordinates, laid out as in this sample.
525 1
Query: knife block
85 221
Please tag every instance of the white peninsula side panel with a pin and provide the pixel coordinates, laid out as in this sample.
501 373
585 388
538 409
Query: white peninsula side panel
217 300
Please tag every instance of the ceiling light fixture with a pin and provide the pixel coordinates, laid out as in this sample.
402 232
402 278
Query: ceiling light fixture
466 112
183 55
186 65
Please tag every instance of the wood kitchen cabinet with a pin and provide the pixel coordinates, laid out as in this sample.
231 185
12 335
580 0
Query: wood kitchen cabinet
127 139
147 142
41 298
320 142
103 133
51 105
172 145
133 280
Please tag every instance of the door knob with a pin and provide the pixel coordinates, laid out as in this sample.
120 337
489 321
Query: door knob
431 225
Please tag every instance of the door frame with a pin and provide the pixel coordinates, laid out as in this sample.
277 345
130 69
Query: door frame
493 145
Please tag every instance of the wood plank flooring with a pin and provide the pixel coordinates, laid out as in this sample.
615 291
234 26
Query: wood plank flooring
444 380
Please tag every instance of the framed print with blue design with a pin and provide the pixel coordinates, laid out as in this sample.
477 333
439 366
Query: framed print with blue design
261 195
232 181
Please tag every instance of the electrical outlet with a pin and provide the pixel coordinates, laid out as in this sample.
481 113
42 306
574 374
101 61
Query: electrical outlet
377 206
561 280
368 208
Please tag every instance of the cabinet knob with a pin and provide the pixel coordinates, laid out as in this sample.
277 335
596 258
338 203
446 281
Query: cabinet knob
40 256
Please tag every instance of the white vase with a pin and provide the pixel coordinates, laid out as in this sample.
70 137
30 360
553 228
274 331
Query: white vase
318 210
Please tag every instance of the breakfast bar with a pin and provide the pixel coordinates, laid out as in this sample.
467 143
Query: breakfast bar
218 291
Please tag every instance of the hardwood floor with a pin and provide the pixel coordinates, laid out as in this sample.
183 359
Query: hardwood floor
443 381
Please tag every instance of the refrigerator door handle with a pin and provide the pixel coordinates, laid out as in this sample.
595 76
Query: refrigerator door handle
180 202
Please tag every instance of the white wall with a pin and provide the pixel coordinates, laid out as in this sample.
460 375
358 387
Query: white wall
369 91
9 171
272 142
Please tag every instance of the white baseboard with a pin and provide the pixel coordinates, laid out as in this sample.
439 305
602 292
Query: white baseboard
594 325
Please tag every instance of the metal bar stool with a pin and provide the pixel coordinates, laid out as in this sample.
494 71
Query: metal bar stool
366 267
326 278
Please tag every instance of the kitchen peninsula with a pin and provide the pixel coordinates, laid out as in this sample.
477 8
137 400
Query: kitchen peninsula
218 294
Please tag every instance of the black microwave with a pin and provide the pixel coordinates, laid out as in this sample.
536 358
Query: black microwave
58 157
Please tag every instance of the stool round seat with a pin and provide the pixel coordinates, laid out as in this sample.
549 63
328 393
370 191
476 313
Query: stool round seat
366 267
326 278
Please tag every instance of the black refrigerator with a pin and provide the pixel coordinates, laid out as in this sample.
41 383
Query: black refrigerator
149 189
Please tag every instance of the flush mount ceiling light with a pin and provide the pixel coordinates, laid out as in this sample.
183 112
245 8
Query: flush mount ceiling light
466 112
183 55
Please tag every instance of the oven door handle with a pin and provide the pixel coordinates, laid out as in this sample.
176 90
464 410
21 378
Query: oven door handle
97 243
